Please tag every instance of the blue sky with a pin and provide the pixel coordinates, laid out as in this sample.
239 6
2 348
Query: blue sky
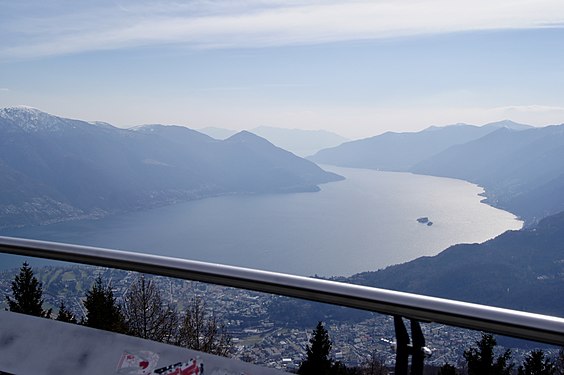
357 68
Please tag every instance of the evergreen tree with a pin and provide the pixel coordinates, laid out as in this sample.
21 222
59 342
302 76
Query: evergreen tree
201 332
145 314
480 359
102 310
65 315
537 364
27 294
318 361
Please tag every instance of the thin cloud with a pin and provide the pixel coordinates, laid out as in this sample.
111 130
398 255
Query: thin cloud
235 24
4 89
224 88
531 108
534 114
253 87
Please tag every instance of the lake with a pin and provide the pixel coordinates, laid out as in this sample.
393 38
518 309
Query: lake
366 222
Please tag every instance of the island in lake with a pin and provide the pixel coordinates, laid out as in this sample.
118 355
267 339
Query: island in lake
425 220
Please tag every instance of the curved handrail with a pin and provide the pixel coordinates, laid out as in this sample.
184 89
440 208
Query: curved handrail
542 328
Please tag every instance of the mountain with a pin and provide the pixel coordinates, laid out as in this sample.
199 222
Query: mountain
520 167
522 270
300 142
57 169
522 171
508 124
401 151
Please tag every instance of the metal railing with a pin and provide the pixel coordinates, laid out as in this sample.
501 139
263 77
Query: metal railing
541 328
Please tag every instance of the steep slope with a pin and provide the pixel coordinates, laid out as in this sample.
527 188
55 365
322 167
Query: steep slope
257 158
58 169
401 151
519 269
522 171
245 162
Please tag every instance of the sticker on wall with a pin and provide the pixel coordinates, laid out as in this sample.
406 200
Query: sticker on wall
142 362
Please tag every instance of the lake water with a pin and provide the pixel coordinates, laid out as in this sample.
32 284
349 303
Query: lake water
365 222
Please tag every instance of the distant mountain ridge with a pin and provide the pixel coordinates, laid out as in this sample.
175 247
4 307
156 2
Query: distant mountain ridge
522 171
402 151
57 169
520 167
508 124
298 141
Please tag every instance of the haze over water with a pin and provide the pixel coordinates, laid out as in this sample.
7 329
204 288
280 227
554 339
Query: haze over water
364 223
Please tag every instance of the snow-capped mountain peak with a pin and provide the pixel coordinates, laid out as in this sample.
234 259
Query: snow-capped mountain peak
33 120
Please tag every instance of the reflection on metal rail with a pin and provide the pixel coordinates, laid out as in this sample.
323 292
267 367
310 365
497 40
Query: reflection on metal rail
525 325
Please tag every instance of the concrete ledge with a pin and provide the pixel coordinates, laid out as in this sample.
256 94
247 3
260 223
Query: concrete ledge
31 345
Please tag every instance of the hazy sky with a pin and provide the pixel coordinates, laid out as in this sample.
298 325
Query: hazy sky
358 68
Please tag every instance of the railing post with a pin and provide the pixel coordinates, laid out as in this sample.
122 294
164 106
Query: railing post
417 355
402 346
404 349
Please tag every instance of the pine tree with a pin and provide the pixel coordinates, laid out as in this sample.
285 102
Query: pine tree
318 360
145 314
201 332
480 359
27 294
537 364
65 315
102 310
